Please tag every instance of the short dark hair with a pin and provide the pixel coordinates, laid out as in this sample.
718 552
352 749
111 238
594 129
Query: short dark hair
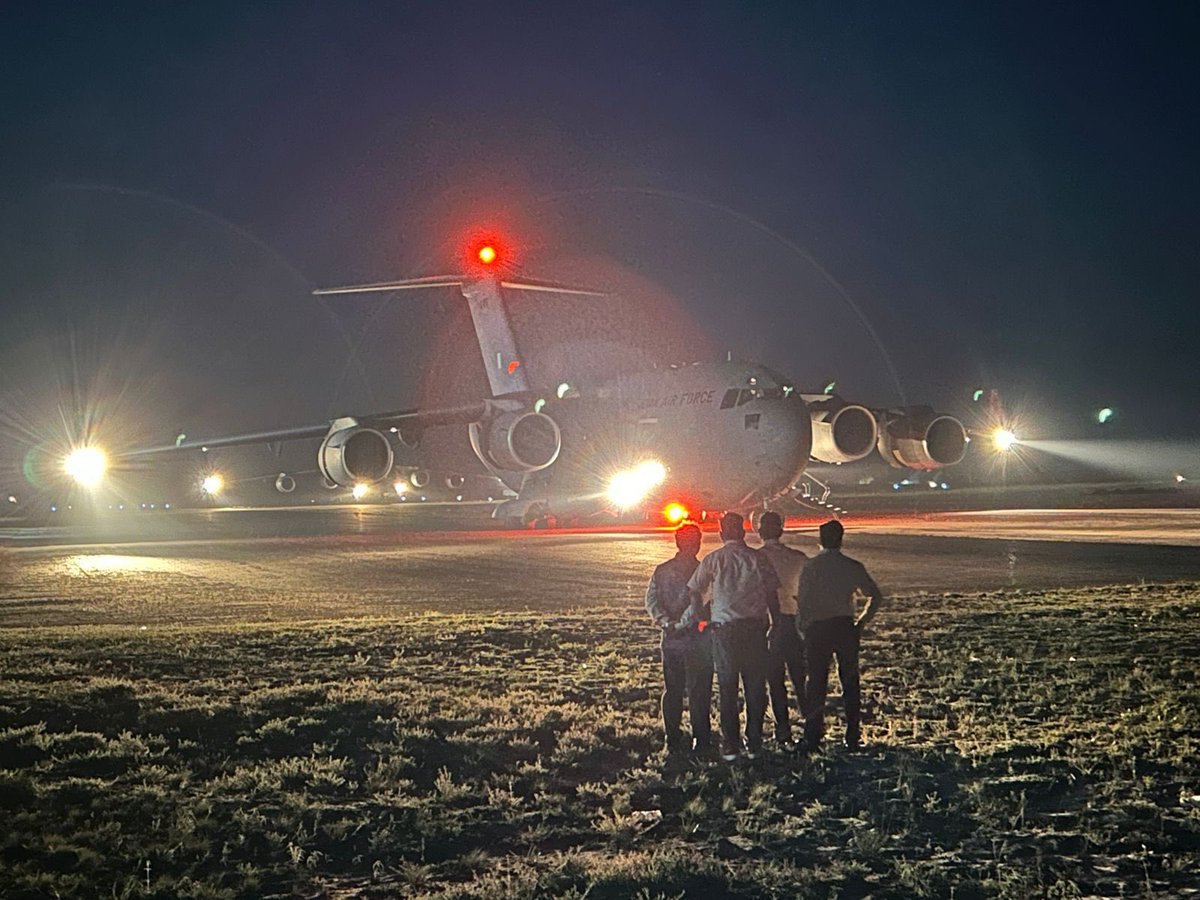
733 526
686 532
770 525
831 533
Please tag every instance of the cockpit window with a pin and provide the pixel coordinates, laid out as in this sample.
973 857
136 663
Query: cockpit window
729 401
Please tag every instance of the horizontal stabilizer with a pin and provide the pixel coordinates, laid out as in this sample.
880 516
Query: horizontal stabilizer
407 284
438 281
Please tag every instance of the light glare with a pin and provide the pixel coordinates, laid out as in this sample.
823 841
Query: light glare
212 484
87 465
359 491
629 488
1004 439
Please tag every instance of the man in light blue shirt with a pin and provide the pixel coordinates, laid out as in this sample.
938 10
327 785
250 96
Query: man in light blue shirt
745 596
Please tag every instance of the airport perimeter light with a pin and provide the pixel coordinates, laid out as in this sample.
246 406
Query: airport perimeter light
1004 439
86 465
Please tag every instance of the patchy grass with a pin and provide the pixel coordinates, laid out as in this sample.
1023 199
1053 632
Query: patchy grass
1020 745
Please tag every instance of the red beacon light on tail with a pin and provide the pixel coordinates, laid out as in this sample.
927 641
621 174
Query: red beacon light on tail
487 254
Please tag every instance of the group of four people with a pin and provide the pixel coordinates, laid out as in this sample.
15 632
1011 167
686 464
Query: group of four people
758 617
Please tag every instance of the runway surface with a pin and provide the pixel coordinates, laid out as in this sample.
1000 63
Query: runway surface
269 565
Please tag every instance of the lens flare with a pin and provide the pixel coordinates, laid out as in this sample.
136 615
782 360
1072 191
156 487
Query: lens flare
212 484
87 466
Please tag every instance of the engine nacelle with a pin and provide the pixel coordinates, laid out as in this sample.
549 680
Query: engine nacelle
919 438
352 453
285 483
519 441
842 432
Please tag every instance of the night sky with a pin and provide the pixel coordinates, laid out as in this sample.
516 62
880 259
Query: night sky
1008 196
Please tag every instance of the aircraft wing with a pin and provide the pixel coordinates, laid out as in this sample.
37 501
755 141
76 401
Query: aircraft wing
466 413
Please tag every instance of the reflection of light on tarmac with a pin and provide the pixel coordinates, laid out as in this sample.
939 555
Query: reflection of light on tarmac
1152 460
111 563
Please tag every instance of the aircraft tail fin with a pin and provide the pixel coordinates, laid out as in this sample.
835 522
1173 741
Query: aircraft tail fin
496 342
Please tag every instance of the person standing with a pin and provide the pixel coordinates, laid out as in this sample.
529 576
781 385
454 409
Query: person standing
785 648
686 651
827 618
745 596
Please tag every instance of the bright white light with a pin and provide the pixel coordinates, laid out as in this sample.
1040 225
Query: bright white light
630 487
212 484
401 487
360 491
1179 479
1004 439
87 465
562 390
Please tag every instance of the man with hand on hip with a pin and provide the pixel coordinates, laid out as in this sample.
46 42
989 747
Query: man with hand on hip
828 619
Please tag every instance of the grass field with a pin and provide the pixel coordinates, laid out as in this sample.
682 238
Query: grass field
1020 745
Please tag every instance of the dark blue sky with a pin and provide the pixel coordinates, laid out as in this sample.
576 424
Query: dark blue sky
1007 194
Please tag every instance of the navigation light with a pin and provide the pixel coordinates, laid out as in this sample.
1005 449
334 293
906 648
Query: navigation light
86 465
675 513
487 254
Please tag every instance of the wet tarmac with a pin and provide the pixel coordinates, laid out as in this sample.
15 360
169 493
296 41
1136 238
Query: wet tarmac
272 565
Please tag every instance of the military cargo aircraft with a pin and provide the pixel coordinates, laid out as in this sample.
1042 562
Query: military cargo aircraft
674 442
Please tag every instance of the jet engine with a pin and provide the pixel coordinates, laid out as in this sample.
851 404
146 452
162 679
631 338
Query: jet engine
518 441
916 437
842 432
285 483
352 453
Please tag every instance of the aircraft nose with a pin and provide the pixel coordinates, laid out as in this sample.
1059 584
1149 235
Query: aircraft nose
788 445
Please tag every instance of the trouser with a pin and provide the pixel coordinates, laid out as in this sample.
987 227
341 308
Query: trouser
688 668
740 653
823 640
786 658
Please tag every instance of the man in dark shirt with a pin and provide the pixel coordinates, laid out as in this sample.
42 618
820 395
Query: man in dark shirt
686 651
828 617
